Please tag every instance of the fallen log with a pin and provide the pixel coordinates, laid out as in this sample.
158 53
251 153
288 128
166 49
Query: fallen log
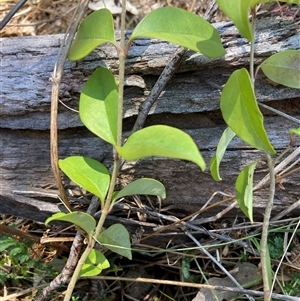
190 102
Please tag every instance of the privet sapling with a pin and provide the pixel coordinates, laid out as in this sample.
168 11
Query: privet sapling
101 110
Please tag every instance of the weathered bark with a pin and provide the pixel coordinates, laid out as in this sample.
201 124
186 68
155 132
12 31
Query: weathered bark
190 102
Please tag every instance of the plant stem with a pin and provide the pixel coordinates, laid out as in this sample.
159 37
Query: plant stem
252 45
264 236
121 74
116 166
56 79
264 255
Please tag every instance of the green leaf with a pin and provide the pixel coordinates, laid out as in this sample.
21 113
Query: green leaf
98 106
294 131
96 29
244 188
94 264
276 246
288 1
238 11
241 113
116 238
81 219
283 68
163 141
254 2
180 27
87 173
144 186
215 161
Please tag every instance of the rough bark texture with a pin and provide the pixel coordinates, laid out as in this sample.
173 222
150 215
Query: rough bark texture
190 102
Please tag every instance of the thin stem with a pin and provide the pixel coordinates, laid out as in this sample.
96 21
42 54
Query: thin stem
116 167
264 235
252 45
56 79
91 243
269 205
121 74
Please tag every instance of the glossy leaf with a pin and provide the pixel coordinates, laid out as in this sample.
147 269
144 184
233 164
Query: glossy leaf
116 238
244 188
96 29
238 11
163 141
142 186
81 219
255 2
294 131
98 106
94 264
283 68
87 173
215 161
241 113
181 27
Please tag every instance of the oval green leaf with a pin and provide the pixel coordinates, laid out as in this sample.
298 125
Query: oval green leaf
87 173
241 113
238 11
181 27
294 131
116 238
81 219
283 68
98 106
163 141
244 190
254 2
144 186
215 161
96 29
94 264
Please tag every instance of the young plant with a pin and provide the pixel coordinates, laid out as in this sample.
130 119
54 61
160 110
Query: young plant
101 111
240 110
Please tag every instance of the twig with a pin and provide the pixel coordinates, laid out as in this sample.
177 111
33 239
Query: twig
56 78
202 230
296 120
216 262
279 167
286 211
163 79
197 285
23 292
